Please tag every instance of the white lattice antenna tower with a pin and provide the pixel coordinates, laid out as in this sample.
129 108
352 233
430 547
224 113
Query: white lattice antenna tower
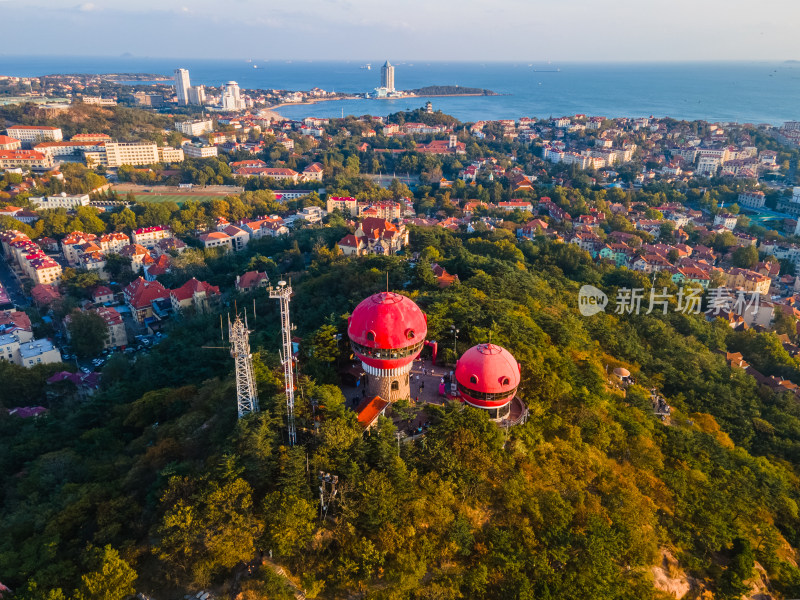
246 395
283 293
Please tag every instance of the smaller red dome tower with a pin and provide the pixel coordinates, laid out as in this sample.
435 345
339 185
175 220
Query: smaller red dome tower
387 331
488 377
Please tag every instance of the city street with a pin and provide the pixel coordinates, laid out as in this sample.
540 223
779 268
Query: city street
12 285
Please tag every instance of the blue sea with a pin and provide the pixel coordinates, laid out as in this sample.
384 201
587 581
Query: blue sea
755 92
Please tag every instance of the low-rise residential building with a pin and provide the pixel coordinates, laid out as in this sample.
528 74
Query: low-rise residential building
168 245
70 148
239 237
751 199
9 347
194 294
199 151
313 172
17 323
747 280
102 294
346 204
94 261
310 214
515 205
73 245
168 154
727 220
113 242
62 200
271 226
150 236
37 352
9 143
140 295
117 336
194 128
138 255
35 133
251 281
25 159
280 174
216 239
374 236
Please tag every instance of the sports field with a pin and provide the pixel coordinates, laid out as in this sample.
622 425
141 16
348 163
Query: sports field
165 193
178 198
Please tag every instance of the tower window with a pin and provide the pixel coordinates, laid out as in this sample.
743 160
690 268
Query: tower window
473 379
395 386
505 381
371 336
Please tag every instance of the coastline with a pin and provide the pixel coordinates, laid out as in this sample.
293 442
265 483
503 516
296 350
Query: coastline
318 100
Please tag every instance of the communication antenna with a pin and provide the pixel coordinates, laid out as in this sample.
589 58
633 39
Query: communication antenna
283 294
246 395
327 492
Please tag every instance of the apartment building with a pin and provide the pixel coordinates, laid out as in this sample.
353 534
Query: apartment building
133 154
752 199
168 154
117 335
150 236
199 151
194 128
26 159
28 134
37 352
62 200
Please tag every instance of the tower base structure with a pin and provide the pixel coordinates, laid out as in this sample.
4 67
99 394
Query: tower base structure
389 384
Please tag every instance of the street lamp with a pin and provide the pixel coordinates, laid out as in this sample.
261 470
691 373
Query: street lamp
455 339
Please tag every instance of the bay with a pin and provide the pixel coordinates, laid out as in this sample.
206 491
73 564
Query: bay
755 92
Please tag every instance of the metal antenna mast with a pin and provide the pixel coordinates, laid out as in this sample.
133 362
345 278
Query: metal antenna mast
246 395
283 293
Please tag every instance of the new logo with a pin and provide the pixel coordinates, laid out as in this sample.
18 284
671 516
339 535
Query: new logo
591 300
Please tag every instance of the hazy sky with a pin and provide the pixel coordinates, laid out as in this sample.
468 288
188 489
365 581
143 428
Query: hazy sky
580 30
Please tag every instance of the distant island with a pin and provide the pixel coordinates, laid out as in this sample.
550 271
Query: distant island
113 77
450 90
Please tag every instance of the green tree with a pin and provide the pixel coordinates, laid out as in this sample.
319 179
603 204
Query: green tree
118 268
112 578
745 257
87 332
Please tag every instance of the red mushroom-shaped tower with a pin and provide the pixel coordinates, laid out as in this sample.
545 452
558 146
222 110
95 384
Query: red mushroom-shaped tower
387 331
488 377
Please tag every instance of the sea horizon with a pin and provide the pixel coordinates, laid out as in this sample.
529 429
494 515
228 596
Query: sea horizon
754 91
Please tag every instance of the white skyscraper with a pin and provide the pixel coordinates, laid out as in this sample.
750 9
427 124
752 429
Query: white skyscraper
231 98
182 86
387 76
197 95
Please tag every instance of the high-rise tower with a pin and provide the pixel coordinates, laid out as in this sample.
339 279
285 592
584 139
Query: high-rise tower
387 76
386 332
231 97
182 86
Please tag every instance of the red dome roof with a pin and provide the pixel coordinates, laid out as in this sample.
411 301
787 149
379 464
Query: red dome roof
487 375
387 321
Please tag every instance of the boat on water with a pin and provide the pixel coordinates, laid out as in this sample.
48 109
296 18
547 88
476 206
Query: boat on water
367 66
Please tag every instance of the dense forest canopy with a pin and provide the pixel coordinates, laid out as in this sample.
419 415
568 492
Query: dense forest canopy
156 482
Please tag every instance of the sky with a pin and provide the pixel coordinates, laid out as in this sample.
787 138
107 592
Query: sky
566 30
